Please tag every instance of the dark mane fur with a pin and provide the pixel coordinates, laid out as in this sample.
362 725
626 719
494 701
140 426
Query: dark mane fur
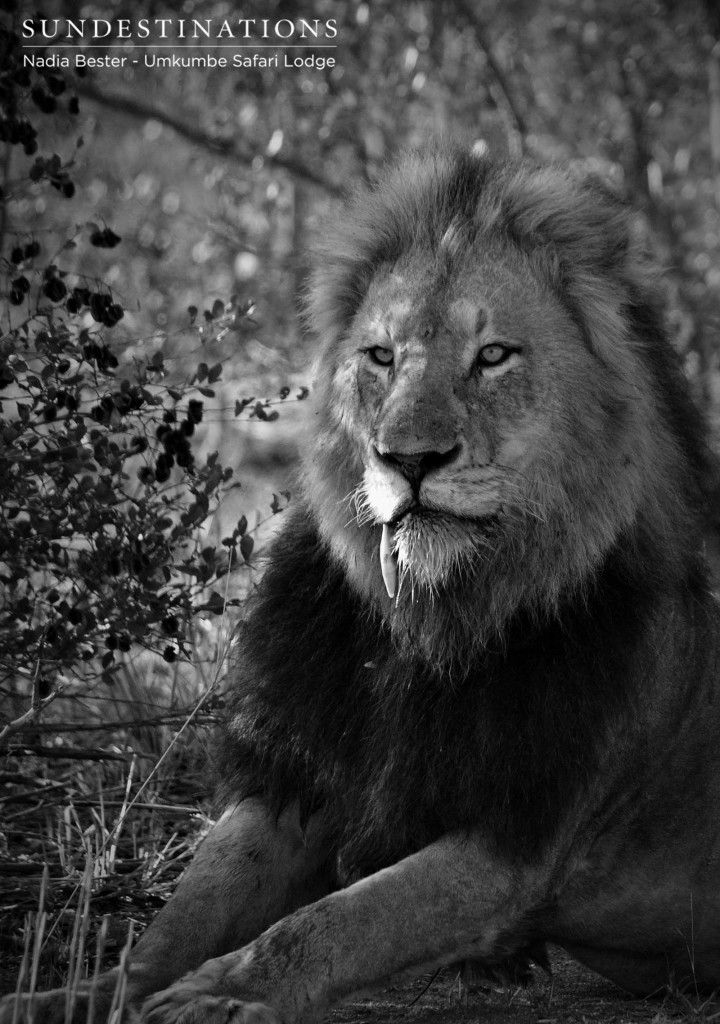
327 710
330 708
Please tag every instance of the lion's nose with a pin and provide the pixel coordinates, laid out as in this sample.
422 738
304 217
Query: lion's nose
416 465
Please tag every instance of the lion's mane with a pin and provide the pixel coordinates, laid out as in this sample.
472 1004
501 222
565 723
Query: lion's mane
498 698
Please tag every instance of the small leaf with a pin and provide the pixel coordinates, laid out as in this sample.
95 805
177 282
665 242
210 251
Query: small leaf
104 238
189 570
37 170
242 405
246 546
215 603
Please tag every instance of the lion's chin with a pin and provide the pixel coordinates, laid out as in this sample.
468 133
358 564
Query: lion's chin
427 548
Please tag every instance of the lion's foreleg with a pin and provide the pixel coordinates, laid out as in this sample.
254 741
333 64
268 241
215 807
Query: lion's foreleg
449 902
247 873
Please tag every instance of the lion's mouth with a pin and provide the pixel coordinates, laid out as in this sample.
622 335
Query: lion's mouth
428 545
388 554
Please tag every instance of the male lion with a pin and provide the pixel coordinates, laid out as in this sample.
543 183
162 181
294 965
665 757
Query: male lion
478 701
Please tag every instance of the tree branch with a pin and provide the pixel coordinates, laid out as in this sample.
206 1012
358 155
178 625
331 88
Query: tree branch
223 145
466 8
714 119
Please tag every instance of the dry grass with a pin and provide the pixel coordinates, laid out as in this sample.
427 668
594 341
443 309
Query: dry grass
102 803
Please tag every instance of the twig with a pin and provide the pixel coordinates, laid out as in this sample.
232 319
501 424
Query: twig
422 992
72 753
119 725
168 808
227 146
28 716
42 790
36 706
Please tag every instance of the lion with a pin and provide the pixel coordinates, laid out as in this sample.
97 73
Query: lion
477 701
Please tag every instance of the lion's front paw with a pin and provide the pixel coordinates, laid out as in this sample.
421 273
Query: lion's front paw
55 1008
184 1004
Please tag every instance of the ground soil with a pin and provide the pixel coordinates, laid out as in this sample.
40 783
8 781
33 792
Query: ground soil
572 995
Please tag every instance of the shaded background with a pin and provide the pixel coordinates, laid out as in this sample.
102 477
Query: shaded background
218 182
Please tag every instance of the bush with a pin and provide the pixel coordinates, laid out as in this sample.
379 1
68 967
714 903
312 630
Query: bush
101 546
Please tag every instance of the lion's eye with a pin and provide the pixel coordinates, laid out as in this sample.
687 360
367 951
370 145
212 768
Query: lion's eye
494 355
381 356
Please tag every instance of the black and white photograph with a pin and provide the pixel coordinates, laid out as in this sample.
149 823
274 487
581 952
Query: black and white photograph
360 512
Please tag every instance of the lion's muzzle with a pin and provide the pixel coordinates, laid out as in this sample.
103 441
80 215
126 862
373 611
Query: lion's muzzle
415 465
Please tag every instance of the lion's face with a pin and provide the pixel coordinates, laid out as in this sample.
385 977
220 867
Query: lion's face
450 384
466 395
485 420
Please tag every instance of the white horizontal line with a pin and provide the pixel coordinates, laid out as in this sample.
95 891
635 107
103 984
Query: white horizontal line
179 46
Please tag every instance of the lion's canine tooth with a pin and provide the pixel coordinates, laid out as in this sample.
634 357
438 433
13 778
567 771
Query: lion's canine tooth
388 563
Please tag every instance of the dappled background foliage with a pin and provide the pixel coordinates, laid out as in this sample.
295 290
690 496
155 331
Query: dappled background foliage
155 228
